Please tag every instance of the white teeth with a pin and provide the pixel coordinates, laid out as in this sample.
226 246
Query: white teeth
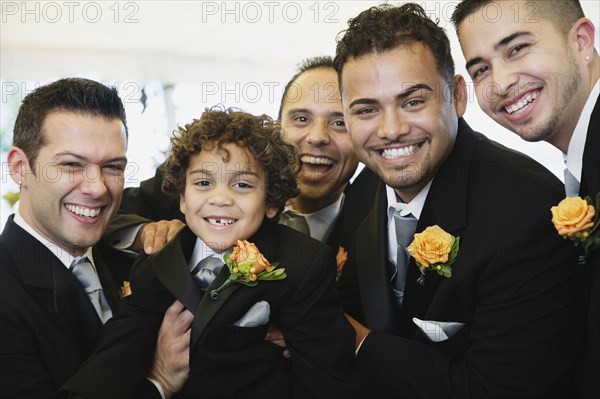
82 211
220 222
391 153
511 109
316 160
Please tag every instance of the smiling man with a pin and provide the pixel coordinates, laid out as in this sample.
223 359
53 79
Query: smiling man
312 118
57 286
536 72
503 319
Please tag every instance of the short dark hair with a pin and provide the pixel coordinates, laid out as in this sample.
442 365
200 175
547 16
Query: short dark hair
308 64
76 95
258 134
385 27
562 13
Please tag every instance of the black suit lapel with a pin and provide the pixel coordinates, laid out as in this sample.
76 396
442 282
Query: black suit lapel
590 177
73 304
378 303
267 243
171 267
445 206
41 269
208 307
109 287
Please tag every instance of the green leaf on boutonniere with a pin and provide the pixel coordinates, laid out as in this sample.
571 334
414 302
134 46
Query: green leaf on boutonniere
434 249
578 220
247 266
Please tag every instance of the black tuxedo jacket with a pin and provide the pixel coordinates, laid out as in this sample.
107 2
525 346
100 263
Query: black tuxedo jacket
48 325
227 361
513 283
590 185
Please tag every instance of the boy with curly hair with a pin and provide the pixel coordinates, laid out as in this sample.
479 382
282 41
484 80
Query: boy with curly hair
233 174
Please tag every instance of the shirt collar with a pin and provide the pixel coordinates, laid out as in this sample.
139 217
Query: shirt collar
414 207
64 256
320 221
201 251
574 156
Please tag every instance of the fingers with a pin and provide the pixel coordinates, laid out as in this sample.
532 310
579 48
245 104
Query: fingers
156 235
177 319
173 228
275 336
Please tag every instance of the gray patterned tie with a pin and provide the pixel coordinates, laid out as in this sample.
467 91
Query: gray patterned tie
295 221
83 270
405 231
206 270
571 184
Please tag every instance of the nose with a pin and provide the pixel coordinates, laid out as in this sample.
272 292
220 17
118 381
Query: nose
220 196
318 134
504 79
392 126
93 183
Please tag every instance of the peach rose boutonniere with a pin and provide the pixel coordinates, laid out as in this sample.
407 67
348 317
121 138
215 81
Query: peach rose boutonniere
434 249
340 259
247 266
576 219
125 289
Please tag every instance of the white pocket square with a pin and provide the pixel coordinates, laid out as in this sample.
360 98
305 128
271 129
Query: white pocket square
257 315
438 331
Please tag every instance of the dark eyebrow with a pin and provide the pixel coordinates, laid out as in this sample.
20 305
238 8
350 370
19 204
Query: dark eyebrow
365 101
503 42
411 89
298 110
407 92
236 173
82 158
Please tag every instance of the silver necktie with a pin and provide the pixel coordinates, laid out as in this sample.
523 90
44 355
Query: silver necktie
405 231
206 270
83 270
295 221
571 184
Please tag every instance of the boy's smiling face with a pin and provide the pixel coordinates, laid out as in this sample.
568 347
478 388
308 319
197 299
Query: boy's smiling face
224 201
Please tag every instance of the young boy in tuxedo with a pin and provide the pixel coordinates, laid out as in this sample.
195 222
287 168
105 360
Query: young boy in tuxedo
233 174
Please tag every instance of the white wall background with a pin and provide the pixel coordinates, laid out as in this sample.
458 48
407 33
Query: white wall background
188 55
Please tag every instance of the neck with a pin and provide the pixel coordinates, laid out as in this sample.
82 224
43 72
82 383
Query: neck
309 205
564 132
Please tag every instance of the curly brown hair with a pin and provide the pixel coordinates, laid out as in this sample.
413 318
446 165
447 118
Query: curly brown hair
260 135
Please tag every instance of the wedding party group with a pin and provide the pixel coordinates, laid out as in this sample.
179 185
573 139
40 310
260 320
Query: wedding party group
260 262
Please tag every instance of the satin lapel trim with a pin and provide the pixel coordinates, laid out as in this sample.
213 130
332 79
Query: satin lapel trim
590 180
445 206
171 268
371 258
208 308
73 304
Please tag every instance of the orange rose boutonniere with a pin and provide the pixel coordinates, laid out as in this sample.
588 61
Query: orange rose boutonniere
577 219
434 249
340 259
125 289
247 266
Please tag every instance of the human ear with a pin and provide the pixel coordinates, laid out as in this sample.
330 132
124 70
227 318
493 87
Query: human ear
18 165
182 202
582 32
271 212
459 94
